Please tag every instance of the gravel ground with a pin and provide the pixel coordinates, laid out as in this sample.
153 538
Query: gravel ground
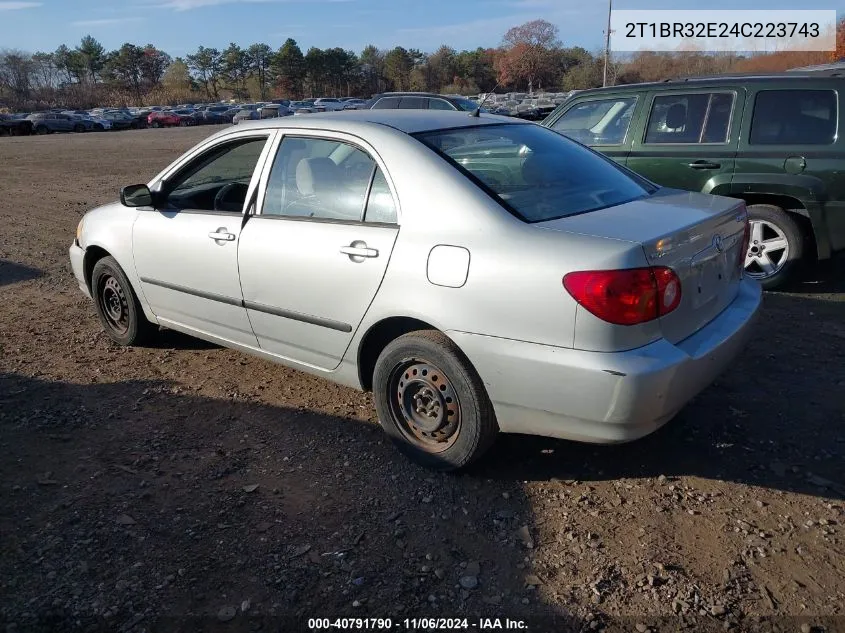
188 484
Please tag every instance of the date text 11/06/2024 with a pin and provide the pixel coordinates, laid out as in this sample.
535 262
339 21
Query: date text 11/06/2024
414 624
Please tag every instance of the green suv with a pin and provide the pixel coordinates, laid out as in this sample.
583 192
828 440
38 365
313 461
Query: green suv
775 141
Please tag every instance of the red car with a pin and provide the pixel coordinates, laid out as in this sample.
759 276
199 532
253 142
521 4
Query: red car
164 119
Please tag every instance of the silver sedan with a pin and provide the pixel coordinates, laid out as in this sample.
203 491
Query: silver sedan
479 274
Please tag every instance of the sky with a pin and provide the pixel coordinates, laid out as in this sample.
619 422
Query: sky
180 26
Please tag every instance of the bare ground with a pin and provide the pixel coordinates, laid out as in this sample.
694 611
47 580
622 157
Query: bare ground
128 495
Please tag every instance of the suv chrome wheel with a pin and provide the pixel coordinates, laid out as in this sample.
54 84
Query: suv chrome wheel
768 250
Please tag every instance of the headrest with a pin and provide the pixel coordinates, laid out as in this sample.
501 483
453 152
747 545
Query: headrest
313 174
676 116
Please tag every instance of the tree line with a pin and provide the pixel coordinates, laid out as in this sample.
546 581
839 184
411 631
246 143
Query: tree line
530 57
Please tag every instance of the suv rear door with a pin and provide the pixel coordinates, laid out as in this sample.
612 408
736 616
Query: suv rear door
688 138
605 122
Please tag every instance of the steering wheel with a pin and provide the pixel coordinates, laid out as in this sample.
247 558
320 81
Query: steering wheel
222 204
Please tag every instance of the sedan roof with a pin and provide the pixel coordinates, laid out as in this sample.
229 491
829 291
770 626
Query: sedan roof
408 121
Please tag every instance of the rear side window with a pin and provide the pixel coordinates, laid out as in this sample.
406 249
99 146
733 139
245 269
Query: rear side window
690 118
413 103
794 117
439 104
598 122
388 103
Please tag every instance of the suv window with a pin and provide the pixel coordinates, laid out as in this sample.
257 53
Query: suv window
598 122
794 117
219 179
387 103
440 104
319 178
413 103
690 118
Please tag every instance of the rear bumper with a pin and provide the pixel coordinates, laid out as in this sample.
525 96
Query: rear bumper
606 397
77 259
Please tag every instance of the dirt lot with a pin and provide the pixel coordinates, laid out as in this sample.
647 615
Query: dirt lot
128 495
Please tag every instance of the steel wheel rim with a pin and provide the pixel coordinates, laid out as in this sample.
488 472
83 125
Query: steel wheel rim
768 250
424 405
114 305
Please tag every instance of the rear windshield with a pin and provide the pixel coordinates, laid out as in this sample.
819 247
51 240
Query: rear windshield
536 173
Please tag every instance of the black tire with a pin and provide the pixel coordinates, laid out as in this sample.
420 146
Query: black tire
155 124
117 304
5 131
422 369
79 128
41 129
773 220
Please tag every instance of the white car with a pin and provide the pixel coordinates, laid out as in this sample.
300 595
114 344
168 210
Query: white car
329 104
477 273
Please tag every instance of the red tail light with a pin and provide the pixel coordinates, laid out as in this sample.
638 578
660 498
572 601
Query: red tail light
626 297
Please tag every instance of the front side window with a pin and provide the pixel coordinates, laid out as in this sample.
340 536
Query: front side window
326 179
794 117
413 103
598 122
690 118
388 103
535 173
219 179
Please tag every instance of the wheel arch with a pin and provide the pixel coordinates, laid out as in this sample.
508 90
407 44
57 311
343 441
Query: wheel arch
93 254
796 209
379 335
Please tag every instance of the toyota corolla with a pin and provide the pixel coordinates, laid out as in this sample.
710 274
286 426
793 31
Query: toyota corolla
479 274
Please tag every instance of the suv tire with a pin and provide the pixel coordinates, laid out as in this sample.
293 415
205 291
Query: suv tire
773 227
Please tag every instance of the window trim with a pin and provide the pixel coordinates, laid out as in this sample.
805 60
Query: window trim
256 210
836 114
625 138
699 143
727 141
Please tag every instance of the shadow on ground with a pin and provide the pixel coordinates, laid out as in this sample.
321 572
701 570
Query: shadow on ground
133 503
12 273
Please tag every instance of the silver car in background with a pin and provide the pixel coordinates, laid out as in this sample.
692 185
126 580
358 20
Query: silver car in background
478 273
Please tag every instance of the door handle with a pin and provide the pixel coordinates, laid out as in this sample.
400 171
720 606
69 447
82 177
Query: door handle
222 235
358 249
703 164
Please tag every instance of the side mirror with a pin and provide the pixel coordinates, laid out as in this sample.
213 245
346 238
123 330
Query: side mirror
136 196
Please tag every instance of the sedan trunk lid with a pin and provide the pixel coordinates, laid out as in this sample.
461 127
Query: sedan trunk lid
698 236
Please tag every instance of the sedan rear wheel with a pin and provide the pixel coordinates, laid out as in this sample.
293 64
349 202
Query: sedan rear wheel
118 307
41 129
79 128
431 402
775 246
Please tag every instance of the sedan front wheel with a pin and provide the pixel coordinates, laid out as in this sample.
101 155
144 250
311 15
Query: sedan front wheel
431 402
118 307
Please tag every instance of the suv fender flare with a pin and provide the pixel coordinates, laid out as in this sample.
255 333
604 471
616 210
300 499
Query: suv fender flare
809 191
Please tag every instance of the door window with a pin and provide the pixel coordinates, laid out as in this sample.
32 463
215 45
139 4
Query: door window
598 122
690 118
439 104
218 180
794 117
325 179
388 103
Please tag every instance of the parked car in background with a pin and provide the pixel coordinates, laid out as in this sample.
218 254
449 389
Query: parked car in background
419 101
163 118
215 114
50 122
354 104
329 103
10 125
188 117
301 107
552 292
774 141
119 120
246 115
